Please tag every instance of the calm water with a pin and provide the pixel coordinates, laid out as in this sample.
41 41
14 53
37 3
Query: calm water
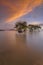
21 49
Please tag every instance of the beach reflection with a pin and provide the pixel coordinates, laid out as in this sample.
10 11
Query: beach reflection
21 49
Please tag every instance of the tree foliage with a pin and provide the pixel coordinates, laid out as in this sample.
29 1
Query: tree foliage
22 26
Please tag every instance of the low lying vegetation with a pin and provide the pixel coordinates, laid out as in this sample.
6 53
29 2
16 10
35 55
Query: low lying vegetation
22 27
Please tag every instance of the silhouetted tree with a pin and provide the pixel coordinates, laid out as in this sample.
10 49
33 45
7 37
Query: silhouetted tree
33 27
21 26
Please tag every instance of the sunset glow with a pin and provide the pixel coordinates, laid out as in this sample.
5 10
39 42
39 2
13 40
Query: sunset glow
17 8
35 23
21 32
12 11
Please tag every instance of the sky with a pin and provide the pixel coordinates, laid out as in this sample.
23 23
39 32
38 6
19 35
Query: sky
11 11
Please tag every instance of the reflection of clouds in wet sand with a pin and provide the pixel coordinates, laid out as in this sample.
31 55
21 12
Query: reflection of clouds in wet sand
20 51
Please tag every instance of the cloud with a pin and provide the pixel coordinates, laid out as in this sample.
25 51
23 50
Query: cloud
17 8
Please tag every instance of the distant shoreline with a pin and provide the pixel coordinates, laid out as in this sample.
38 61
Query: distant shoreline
11 30
8 30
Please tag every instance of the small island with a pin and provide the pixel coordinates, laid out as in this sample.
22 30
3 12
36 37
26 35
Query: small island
22 27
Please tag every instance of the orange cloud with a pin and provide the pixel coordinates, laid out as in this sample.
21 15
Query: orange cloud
18 8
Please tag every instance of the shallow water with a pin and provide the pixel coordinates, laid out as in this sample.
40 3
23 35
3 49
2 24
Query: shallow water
21 49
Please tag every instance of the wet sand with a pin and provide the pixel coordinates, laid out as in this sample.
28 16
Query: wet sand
21 49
